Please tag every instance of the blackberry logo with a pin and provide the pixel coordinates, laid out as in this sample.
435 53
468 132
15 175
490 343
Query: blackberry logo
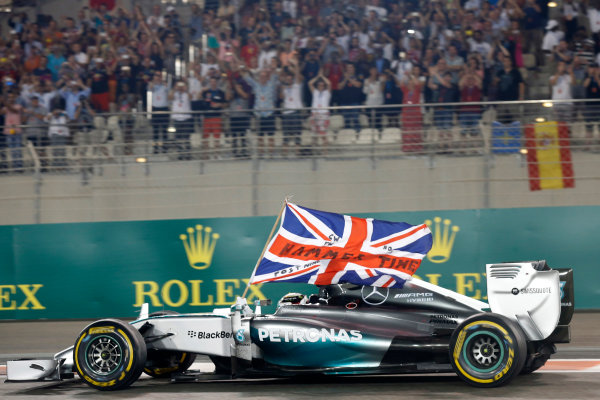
515 291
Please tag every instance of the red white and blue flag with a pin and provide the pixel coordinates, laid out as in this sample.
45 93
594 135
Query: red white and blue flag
324 248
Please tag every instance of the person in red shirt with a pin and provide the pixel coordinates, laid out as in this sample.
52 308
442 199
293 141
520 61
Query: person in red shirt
470 91
334 71
96 4
249 52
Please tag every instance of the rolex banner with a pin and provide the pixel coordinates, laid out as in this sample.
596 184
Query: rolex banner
109 269
549 156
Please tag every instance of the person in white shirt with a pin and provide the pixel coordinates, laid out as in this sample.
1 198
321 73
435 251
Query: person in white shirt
320 88
402 66
211 63
267 52
561 83
58 135
552 37
181 117
195 90
291 96
290 7
160 106
374 6
373 89
477 44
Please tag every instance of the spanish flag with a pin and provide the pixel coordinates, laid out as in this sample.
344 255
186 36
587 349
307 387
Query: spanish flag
549 156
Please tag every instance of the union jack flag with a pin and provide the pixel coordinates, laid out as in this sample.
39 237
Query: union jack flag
324 248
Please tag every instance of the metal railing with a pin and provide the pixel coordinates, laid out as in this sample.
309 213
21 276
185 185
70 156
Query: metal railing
459 129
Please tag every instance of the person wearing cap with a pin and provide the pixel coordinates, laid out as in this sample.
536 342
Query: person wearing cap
552 37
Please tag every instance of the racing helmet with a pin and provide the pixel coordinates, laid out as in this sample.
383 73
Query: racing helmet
292 299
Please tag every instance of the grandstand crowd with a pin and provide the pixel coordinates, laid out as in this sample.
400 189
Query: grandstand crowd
241 60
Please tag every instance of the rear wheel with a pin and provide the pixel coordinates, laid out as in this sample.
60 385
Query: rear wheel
488 350
109 354
163 363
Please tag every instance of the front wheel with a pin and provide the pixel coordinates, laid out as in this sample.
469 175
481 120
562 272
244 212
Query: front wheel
488 350
109 354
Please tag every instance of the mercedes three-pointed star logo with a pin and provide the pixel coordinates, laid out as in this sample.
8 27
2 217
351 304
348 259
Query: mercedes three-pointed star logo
374 295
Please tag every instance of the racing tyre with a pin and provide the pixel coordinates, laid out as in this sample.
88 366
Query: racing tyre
162 363
488 350
109 354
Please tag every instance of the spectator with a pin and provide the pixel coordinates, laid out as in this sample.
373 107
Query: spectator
561 83
511 87
42 71
552 37
264 104
592 108
160 107
402 66
291 117
392 95
470 86
181 117
562 52
98 83
13 118
320 88
334 71
454 62
412 119
533 25
570 15
34 115
84 114
58 135
71 91
350 94
195 24
215 102
373 89
443 91
239 95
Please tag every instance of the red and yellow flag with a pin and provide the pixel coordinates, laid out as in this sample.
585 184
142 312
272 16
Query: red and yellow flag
549 156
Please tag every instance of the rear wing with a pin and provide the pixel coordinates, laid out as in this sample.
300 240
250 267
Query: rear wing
530 293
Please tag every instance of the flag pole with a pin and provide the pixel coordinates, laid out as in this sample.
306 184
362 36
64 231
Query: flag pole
266 245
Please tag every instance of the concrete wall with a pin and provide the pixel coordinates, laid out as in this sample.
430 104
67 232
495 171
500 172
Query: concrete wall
243 188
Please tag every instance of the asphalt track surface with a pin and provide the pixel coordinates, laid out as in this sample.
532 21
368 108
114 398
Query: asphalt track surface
573 373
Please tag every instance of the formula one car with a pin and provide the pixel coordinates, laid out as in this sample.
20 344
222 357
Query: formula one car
344 329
